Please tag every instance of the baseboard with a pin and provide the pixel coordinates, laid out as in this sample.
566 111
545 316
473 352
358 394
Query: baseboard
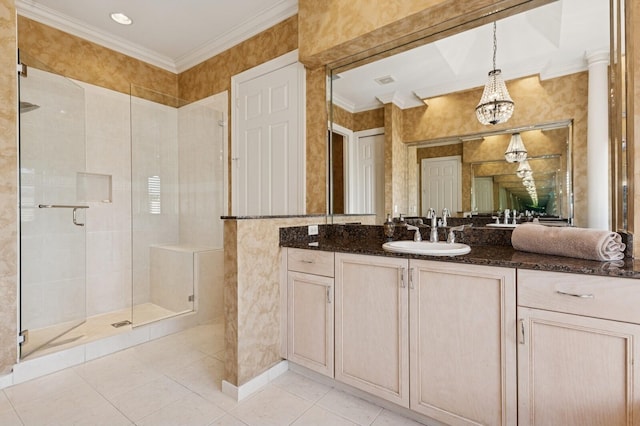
252 386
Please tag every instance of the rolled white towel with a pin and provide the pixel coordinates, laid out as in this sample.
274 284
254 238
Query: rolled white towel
583 243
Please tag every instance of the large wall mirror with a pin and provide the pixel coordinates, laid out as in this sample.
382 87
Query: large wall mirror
397 118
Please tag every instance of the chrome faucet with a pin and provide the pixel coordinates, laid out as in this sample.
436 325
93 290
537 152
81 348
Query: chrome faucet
416 236
433 236
445 215
506 216
431 213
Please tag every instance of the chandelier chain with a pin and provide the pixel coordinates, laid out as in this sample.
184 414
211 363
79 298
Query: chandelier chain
495 44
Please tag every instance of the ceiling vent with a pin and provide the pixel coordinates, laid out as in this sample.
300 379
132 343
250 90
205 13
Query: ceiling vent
387 79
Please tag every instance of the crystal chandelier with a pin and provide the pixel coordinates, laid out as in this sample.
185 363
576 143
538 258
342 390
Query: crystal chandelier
516 152
496 105
524 170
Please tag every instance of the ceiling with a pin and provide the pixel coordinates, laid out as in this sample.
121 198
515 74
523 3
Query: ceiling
172 34
550 41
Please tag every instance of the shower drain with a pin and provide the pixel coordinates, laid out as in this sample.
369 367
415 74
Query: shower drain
121 323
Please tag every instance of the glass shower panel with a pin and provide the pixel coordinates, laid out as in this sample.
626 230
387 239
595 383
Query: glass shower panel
163 276
52 232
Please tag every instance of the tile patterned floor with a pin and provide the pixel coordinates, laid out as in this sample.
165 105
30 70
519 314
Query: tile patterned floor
176 381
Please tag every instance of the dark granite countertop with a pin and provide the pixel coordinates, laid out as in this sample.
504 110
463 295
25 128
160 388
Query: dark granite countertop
288 216
362 239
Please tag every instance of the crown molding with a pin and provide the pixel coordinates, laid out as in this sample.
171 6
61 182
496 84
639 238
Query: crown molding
278 13
240 33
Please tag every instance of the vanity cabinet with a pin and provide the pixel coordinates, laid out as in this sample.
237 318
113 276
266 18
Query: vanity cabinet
310 306
463 343
436 337
372 328
579 337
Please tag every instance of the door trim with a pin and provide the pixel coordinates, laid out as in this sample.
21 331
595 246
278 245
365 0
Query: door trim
347 134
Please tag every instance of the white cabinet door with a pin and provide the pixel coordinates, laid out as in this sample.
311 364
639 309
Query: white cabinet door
310 317
575 370
463 343
372 325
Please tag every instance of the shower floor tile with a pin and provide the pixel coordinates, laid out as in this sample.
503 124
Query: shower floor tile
94 328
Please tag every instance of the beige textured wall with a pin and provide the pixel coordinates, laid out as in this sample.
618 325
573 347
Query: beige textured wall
252 292
82 60
8 187
395 162
366 120
317 118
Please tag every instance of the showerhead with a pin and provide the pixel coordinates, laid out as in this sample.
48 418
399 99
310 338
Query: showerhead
27 106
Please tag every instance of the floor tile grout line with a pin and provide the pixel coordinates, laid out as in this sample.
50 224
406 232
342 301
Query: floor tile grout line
15 411
104 397
301 414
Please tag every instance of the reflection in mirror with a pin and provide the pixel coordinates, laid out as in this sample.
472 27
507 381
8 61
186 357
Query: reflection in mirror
430 94
489 184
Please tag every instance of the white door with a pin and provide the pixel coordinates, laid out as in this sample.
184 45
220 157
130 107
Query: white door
441 184
268 141
366 184
482 195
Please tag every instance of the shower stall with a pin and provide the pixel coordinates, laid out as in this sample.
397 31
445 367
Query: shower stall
120 204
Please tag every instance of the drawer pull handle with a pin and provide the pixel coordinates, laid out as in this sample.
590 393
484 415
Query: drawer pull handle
306 261
582 296
411 279
402 284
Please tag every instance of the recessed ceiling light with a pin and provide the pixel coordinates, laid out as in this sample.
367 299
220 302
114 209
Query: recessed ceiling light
121 18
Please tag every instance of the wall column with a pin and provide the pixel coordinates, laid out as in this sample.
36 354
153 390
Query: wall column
598 183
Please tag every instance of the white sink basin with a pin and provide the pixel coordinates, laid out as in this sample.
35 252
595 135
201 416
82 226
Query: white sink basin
502 225
427 248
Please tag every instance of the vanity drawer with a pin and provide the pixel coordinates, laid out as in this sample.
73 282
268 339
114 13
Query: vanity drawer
588 295
310 261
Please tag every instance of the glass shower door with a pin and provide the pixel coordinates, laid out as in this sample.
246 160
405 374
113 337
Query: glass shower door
52 231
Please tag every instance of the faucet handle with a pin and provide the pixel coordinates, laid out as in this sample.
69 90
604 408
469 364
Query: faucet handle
446 212
451 238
